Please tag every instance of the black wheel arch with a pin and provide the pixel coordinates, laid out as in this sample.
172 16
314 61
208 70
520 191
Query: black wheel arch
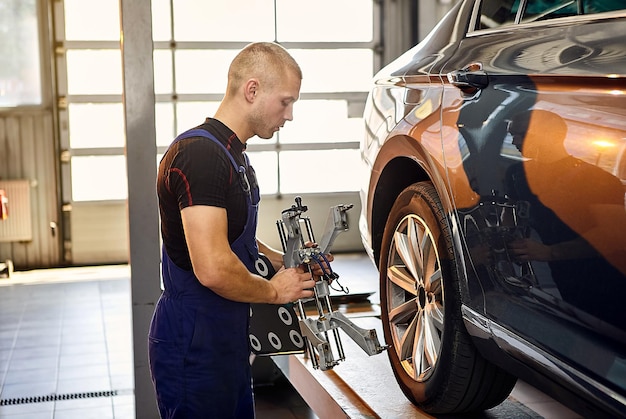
397 175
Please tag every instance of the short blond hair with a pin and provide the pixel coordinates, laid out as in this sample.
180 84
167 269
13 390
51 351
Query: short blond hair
267 61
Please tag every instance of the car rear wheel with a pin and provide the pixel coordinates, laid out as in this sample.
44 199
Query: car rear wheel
431 354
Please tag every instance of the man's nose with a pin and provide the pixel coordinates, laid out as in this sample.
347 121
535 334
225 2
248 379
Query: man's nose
289 113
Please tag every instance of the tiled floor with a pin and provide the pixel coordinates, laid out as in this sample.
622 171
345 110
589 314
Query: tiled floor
65 348
67 335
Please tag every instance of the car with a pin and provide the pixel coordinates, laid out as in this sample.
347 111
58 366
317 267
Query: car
493 204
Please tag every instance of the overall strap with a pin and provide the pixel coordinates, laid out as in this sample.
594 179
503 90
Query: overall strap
199 132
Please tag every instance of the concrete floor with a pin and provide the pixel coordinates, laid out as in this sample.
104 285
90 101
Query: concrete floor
66 348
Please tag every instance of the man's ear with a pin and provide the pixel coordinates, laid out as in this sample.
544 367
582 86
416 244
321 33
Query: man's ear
250 89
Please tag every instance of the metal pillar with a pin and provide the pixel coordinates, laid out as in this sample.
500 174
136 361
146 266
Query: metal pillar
139 101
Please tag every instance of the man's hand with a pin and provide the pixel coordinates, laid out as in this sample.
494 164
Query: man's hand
291 285
527 249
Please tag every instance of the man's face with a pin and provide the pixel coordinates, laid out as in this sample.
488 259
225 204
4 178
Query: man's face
274 106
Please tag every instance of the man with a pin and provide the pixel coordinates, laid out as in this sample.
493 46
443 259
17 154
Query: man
208 197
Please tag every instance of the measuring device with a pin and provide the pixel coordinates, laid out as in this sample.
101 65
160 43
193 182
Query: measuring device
301 248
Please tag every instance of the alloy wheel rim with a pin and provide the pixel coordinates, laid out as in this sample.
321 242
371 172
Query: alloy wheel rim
415 303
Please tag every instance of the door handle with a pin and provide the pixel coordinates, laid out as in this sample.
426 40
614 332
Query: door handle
469 77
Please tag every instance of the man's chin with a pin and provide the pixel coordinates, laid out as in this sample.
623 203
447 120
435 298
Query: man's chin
267 135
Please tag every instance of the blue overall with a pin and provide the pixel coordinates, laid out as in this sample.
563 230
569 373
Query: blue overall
198 342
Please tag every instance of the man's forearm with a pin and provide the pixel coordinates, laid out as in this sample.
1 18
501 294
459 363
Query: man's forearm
228 277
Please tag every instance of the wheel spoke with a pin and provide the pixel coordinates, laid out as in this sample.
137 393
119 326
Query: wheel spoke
399 276
403 313
404 247
432 340
436 316
416 242
434 282
407 341
419 364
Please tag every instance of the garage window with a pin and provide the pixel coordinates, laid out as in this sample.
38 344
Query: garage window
20 72
194 43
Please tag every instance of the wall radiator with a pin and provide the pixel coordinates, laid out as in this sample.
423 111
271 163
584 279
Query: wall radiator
17 226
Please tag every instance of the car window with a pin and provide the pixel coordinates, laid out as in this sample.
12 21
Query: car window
548 9
599 6
551 9
495 13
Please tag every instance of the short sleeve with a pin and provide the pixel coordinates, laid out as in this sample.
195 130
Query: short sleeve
199 174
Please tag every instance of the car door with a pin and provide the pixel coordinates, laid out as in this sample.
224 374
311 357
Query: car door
541 208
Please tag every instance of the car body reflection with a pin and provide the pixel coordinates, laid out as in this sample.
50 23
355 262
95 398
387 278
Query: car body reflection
516 116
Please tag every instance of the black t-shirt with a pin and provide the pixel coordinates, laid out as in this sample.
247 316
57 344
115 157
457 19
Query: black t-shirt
196 171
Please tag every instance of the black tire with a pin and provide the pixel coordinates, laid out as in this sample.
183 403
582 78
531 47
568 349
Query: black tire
421 312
